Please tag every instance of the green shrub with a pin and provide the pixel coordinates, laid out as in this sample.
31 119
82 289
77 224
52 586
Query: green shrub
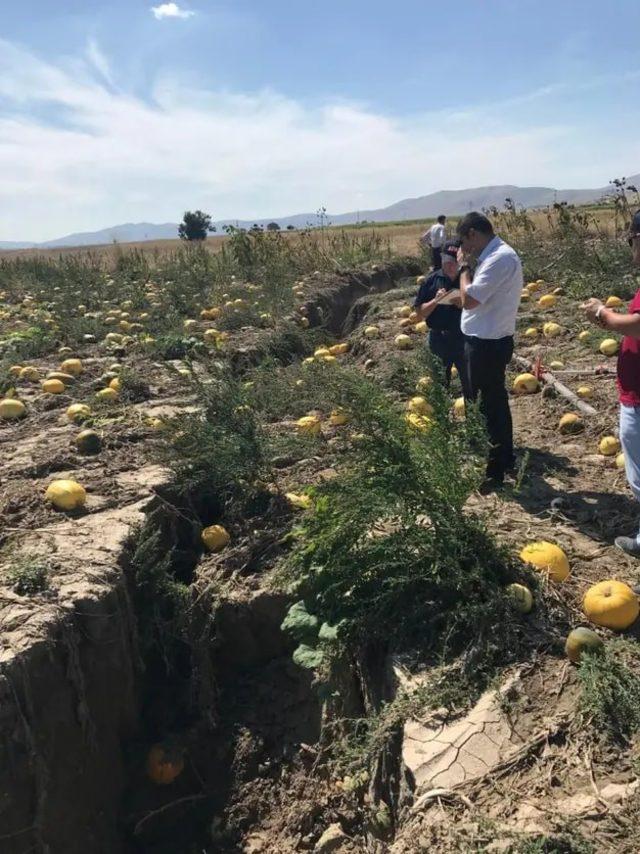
610 684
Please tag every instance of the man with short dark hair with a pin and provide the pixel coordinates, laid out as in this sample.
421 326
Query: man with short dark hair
628 379
435 237
490 301
446 340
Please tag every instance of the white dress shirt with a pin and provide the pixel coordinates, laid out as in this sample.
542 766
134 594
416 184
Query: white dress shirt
437 235
497 286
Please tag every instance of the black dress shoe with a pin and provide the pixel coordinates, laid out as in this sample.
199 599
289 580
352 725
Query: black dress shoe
490 485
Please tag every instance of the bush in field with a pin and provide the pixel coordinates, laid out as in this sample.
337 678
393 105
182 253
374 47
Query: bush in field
388 554
195 225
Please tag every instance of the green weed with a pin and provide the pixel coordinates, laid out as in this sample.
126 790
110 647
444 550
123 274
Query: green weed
610 685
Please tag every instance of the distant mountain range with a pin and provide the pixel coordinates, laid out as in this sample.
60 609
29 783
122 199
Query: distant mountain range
448 202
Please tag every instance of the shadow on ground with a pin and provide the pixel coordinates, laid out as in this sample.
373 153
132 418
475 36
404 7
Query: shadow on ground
599 515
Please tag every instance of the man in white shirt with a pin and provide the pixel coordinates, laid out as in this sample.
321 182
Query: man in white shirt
436 237
490 301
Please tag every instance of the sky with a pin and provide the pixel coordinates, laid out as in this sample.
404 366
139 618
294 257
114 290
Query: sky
130 111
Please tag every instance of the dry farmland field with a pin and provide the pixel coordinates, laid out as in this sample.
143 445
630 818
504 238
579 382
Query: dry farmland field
251 599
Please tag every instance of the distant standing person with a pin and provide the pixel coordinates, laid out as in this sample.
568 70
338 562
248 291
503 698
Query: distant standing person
446 340
490 300
435 237
628 380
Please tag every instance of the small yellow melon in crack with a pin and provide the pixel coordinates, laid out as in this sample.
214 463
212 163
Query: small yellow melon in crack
585 392
215 537
372 332
66 494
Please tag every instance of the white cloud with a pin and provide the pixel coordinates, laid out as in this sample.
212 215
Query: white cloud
170 10
99 61
110 157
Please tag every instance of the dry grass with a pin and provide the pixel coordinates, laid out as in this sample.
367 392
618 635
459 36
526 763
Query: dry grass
402 236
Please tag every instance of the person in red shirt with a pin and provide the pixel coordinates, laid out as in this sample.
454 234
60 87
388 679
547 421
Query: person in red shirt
628 380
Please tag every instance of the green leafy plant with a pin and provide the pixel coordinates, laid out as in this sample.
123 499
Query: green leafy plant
27 577
610 683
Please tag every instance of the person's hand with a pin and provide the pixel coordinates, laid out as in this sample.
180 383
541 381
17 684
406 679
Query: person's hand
456 301
590 308
440 293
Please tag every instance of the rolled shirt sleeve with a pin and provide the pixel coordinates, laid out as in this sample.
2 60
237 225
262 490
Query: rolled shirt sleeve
493 274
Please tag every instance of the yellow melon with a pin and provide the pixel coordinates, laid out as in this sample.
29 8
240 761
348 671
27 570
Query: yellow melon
53 387
551 330
72 366
309 425
620 461
403 342
29 374
582 640
547 558
547 301
66 494
584 336
612 604
78 412
609 347
571 423
614 302
525 384
609 446
521 597
420 406
12 409
585 392
215 538
419 423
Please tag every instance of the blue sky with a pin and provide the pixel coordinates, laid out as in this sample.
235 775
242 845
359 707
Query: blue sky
116 112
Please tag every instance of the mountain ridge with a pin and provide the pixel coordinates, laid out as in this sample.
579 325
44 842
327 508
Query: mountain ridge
449 202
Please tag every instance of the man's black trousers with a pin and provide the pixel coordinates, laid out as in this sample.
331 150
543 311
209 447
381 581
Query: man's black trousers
436 258
486 361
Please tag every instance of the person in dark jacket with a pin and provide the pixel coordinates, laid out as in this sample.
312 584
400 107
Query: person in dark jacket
446 340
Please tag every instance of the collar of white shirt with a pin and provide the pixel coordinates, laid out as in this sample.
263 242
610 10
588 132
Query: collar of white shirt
489 248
